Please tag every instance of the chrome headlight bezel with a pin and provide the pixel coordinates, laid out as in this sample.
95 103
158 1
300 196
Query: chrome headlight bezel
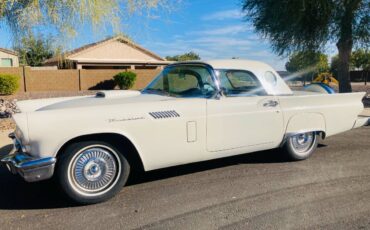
17 143
21 130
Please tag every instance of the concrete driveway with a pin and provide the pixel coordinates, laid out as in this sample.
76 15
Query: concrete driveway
330 190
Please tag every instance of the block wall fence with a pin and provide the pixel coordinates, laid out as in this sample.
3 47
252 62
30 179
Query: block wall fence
74 80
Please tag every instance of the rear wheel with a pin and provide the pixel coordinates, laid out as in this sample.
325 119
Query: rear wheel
301 146
91 171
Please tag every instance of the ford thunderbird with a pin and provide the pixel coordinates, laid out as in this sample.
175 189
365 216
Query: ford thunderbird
192 111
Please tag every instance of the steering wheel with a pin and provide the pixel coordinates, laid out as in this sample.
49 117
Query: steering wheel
208 88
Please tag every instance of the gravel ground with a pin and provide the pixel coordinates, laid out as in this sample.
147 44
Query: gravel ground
253 191
6 124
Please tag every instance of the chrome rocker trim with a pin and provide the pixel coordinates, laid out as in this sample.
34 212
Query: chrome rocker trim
32 169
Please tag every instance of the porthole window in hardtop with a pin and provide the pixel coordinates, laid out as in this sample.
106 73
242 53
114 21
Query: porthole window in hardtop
270 78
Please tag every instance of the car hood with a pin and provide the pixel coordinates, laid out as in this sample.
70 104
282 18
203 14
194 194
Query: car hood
102 98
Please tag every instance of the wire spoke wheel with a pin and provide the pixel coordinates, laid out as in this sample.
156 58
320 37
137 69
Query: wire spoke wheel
300 146
302 142
93 170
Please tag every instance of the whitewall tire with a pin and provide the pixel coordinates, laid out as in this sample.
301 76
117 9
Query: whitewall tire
91 171
301 146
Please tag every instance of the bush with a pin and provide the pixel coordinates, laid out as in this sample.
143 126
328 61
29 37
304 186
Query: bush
125 80
9 84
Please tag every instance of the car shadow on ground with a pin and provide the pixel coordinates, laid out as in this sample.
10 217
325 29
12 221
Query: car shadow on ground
262 157
16 194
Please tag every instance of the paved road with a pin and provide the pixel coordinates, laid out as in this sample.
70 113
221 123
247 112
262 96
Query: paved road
331 190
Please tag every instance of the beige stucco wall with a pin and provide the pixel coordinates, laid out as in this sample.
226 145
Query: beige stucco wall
13 57
51 80
90 79
113 50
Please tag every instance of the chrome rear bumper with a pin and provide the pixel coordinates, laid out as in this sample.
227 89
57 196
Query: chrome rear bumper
30 168
362 121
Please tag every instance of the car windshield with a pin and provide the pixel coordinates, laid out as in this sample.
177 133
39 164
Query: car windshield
183 81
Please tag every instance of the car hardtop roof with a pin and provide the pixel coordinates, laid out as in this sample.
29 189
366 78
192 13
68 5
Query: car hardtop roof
259 69
230 64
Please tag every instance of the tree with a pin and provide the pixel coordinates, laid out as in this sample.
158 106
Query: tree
360 60
66 16
310 63
334 65
184 57
315 61
296 25
33 51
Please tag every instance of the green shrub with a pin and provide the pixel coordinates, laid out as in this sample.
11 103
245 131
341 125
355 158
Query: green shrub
125 80
9 84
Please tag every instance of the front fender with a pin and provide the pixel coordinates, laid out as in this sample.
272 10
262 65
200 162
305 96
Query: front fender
95 132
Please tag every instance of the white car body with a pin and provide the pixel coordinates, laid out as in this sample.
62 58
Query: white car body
168 131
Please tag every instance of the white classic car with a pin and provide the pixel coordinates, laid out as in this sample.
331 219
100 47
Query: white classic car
193 111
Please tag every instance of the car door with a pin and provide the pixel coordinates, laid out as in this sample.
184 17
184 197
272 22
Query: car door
245 117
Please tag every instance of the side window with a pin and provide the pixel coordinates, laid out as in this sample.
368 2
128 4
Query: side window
240 83
6 62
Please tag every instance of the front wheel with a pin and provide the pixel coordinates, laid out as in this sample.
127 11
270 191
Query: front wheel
91 171
301 146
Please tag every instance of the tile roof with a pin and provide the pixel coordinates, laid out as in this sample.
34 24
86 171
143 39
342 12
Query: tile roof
91 45
12 52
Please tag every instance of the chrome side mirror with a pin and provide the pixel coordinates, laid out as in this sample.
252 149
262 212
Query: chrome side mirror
220 93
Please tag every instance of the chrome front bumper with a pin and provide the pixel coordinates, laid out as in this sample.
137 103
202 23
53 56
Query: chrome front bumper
30 168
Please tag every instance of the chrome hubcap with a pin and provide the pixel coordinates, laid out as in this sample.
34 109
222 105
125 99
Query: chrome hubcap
303 142
94 169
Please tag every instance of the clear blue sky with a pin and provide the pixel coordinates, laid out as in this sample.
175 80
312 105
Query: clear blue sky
213 29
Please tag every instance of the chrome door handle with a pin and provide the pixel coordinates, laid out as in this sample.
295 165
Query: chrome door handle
270 103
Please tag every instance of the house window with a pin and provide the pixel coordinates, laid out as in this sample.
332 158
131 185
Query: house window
6 62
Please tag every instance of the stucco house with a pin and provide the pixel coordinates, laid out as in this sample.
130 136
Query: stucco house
112 53
8 58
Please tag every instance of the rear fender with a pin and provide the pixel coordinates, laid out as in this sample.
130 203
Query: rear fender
306 122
